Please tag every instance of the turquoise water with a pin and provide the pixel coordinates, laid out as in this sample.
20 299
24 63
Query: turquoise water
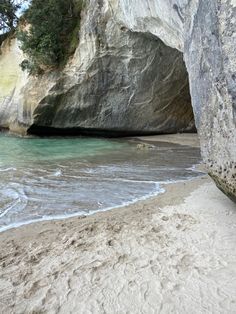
19 151
49 178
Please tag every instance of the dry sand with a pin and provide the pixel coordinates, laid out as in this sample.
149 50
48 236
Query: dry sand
174 253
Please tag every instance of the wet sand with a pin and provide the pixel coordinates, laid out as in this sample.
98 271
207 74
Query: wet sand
174 253
61 177
188 139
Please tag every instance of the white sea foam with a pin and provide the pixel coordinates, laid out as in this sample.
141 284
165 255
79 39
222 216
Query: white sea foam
57 173
159 190
62 178
7 169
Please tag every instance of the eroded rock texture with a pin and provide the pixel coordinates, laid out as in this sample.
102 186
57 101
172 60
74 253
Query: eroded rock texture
128 75
135 84
119 80
210 47
205 31
12 79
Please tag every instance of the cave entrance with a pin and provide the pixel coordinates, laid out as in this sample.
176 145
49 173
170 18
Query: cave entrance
143 93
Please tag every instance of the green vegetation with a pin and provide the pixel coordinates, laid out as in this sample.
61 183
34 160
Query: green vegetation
51 35
8 17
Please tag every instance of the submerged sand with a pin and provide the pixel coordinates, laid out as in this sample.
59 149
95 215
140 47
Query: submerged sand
174 253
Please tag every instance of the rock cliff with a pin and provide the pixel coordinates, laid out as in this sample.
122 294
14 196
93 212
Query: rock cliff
12 79
119 81
128 76
210 46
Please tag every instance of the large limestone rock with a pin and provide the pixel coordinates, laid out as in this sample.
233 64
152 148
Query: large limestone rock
210 54
128 75
12 79
205 30
119 82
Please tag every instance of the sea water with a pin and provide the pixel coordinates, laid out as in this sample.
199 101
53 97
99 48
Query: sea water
52 178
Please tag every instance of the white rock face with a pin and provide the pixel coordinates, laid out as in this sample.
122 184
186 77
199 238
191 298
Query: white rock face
163 19
12 79
210 54
122 78
118 81
205 31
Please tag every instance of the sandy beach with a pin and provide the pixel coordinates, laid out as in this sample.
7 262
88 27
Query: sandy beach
173 253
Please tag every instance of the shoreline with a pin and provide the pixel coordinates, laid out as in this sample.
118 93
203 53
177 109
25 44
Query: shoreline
161 198
91 213
151 195
173 246
147 142
173 252
188 139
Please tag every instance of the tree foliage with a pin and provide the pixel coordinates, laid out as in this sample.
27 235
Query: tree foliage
8 14
46 40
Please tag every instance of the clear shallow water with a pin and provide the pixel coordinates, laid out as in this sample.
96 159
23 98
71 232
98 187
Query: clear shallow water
48 178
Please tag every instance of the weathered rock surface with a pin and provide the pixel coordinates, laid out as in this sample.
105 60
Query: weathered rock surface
210 54
128 75
139 86
118 81
12 79
205 31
